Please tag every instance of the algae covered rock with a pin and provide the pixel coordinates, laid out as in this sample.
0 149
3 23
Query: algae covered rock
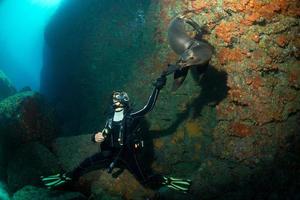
6 88
31 192
26 117
35 160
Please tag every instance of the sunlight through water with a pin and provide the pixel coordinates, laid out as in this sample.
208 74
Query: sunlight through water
22 24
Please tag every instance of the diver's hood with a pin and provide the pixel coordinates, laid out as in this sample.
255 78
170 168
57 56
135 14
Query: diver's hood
190 50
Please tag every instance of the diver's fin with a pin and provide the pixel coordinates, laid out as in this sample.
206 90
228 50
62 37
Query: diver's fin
179 77
52 177
56 180
178 184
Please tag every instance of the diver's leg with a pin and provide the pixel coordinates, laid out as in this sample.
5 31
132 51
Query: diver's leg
143 174
59 179
130 160
85 165
148 178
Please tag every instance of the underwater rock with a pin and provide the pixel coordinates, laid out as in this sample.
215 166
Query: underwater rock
6 87
36 160
26 117
119 185
220 179
73 150
31 192
215 178
99 194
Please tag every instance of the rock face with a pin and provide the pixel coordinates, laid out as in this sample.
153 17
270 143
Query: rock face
91 51
231 130
6 88
255 123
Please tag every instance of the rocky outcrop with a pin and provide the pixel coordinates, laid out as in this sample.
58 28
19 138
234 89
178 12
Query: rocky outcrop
6 88
31 192
36 160
24 117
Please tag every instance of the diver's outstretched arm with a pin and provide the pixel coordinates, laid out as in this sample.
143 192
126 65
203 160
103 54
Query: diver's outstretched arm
158 85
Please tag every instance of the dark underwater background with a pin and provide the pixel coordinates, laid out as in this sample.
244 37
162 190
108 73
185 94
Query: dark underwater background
234 133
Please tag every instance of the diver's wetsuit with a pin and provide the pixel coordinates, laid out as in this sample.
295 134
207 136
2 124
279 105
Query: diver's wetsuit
118 146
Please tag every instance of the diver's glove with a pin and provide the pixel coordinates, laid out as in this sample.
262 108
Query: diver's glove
178 184
56 180
160 82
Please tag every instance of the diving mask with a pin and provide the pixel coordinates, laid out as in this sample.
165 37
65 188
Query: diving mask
120 97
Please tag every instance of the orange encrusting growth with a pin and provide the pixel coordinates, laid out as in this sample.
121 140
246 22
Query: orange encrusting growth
241 130
193 129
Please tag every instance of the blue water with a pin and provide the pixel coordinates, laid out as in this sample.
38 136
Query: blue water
22 24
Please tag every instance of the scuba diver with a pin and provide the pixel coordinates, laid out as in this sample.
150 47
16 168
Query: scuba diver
120 142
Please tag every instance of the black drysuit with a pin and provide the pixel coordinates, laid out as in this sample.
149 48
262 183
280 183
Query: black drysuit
119 146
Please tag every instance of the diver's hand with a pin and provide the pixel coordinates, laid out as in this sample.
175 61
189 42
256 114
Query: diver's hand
99 137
